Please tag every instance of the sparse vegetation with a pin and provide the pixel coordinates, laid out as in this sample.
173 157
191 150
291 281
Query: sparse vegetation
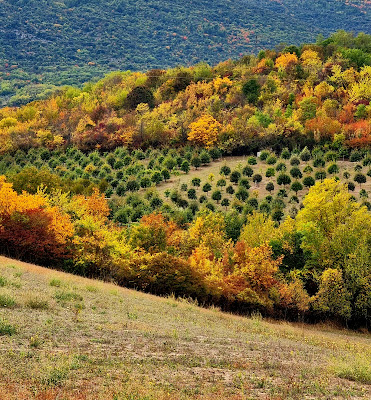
130 345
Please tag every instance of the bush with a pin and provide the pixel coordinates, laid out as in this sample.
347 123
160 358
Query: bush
269 187
281 167
192 194
37 303
264 155
216 195
225 170
6 328
355 156
242 194
235 177
296 187
244 183
285 154
252 161
257 178
247 171
294 161
185 167
296 173
196 182
305 154
283 179
308 181
333 169
271 160
319 162
270 172
360 178
320 175
205 157
6 301
225 202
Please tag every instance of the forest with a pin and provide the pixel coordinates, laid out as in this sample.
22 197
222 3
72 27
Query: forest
244 185
47 44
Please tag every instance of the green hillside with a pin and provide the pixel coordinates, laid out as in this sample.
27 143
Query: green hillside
65 337
46 43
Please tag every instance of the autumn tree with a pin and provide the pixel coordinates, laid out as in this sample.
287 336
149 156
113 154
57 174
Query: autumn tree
204 131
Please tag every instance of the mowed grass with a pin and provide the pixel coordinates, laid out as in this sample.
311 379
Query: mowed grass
66 337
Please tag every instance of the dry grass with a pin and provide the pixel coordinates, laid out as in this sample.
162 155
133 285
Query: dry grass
95 340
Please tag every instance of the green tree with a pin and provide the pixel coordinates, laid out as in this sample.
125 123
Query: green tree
332 297
216 195
206 188
296 187
269 187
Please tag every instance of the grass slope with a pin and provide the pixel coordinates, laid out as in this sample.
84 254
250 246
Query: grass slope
66 337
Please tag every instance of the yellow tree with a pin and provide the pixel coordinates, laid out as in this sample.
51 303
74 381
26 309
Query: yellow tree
286 61
333 226
204 131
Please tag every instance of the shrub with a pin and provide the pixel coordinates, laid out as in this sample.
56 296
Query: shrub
242 194
6 328
216 195
205 157
308 181
319 162
294 161
37 303
360 178
6 301
247 171
295 172
225 202
283 179
281 167
285 154
351 186
196 182
333 169
185 167
358 168
192 194
270 172
252 161
355 156
221 183
305 154
296 187
244 183
195 162
264 155
235 176
320 175
257 178
55 282
269 187
225 170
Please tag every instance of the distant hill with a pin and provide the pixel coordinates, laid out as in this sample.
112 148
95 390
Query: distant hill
46 43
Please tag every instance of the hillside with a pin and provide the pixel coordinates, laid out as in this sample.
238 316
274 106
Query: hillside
46 43
73 338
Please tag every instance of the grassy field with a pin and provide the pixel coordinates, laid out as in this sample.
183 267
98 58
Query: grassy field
66 337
